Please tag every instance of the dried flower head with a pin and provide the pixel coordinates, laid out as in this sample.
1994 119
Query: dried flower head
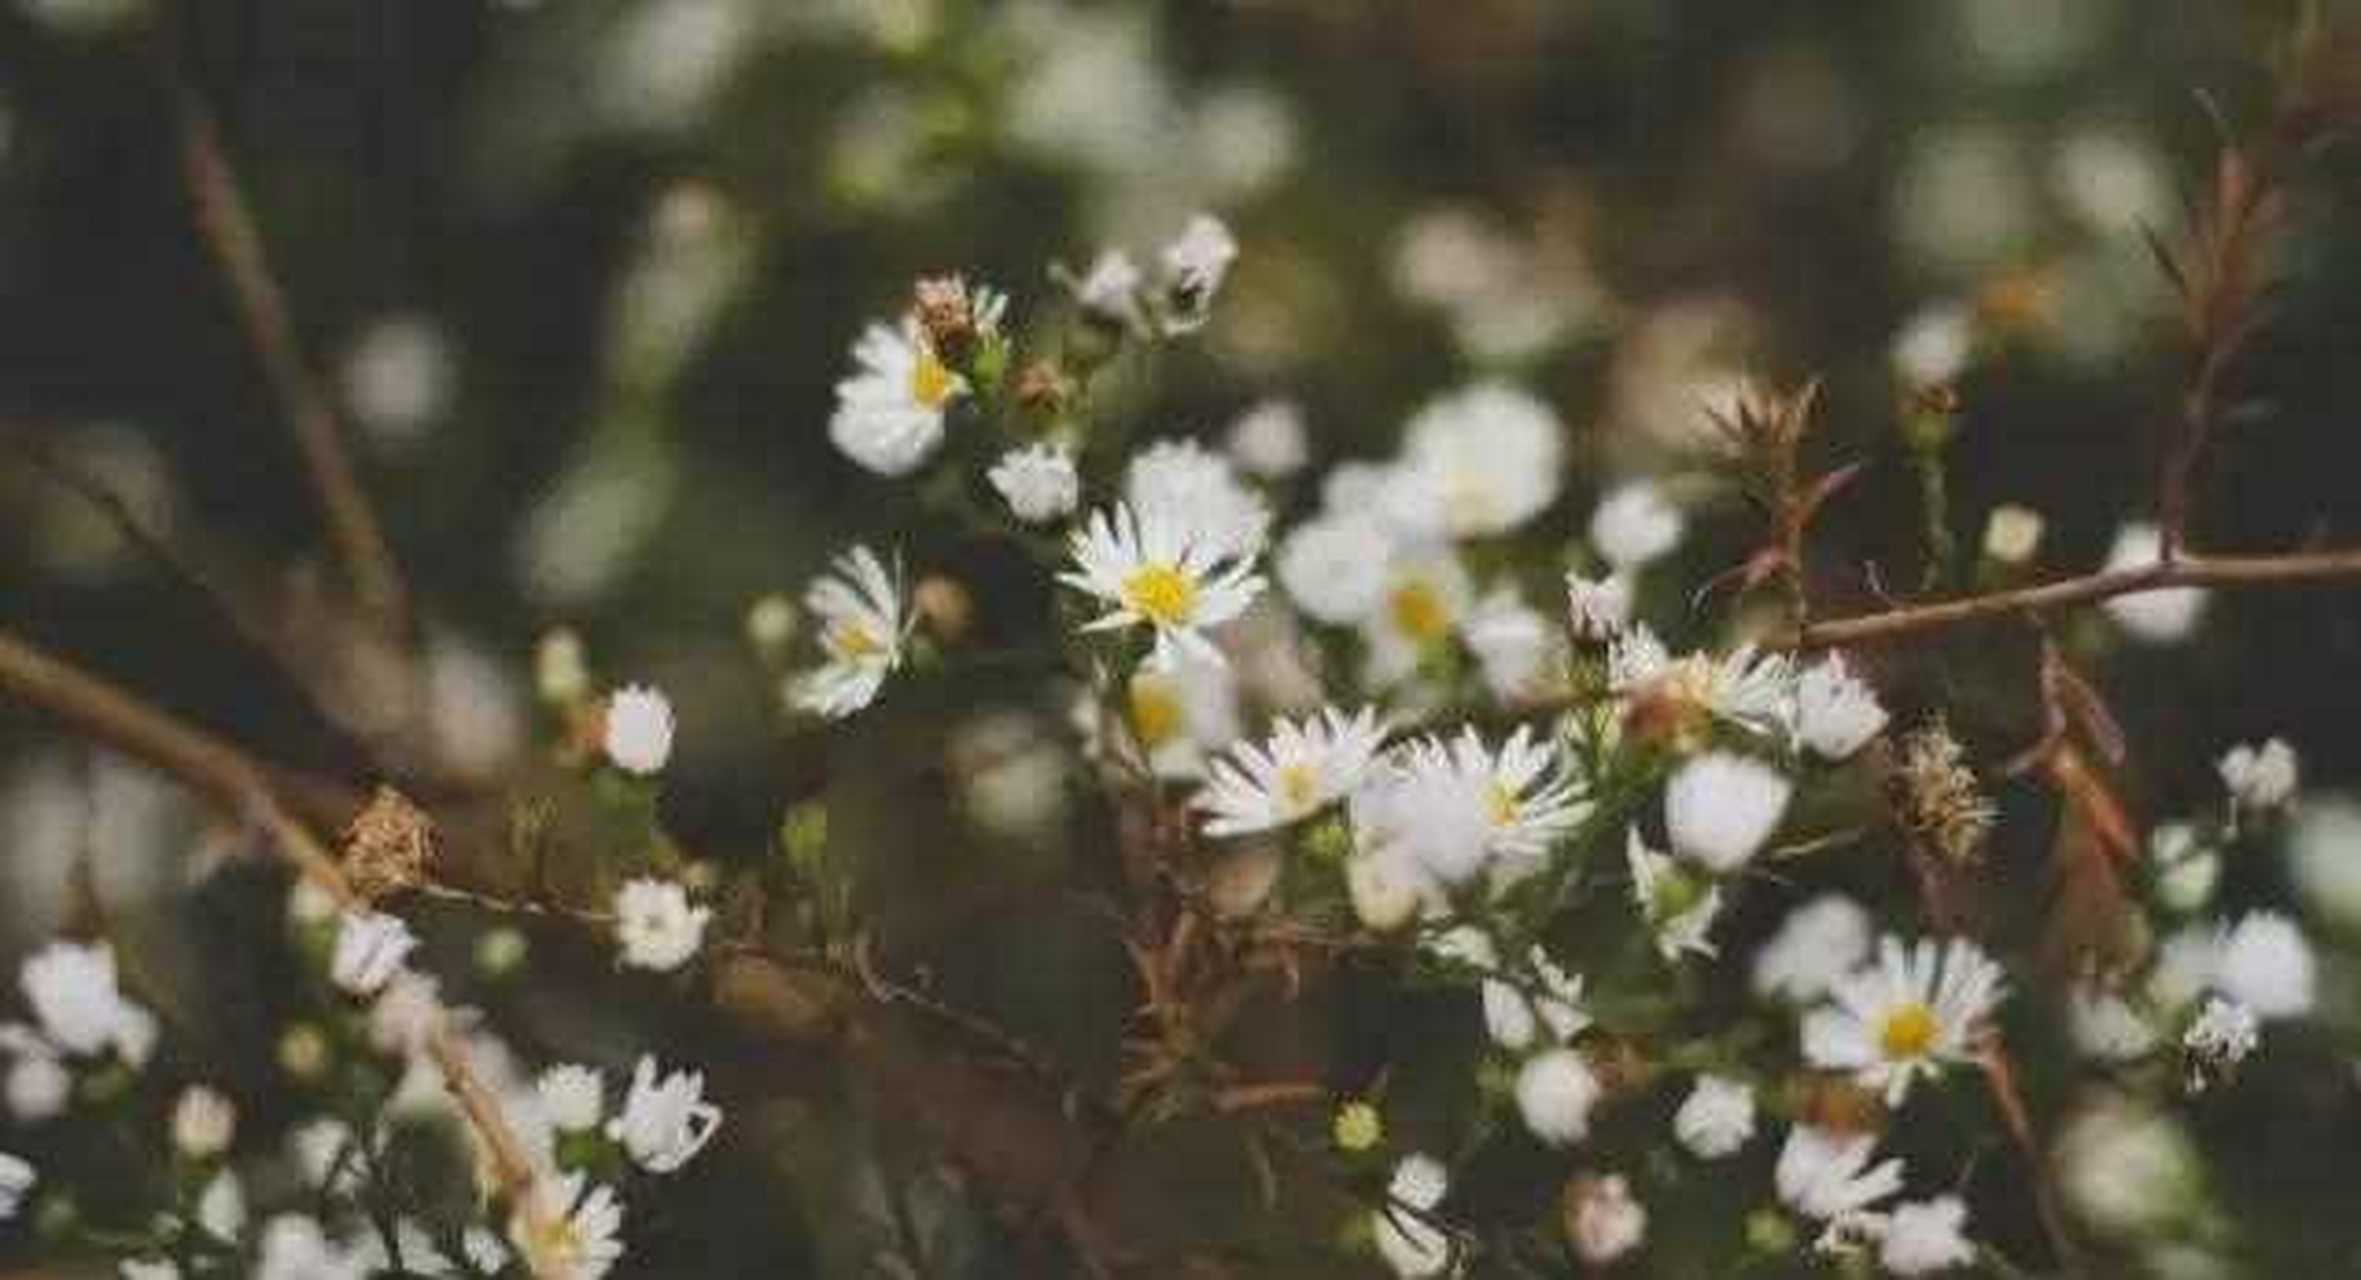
946 315
1936 798
388 846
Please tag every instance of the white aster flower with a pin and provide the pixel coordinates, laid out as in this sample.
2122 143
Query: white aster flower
1174 716
1414 1247
1604 1220
17 1177
1269 440
1720 808
1153 572
2155 617
1334 567
1424 600
371 947
1386 891
1182 484
561 1229
1552 999
1923 1237
2012 534
1110 291
38 1085
1304 767
2129 1170
1837 713
1598 610
1906 1015
1555 1092
2267 965
1195 264
639 729
2260 779
658 928
1476 463
1717 1118
221 1207
863 624
573 1097
1520 653
2320 859
71 987
1461 806
1818 943
295 1247
1824 1174
1634 525
203 1122
889 414
1745 688
1038 482
665 1120
1680 910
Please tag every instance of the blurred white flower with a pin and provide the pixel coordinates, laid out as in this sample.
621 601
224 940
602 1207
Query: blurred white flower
1386 891
1110 291
639 729
863 624
1720 808
562 1229
1517 649
295 1247
1195 264
1305 766
572 1096
1477 462
2221 1036
889 414
1837 713
1926 1236
322 1149
2158 616
561 671
398 378
1604 1220
221 1207
203 1122
1153 572
1038 482
1717 1118
71 987
1912 1011
1634 525
1181 484
38 1085
657 927
1175 716
1817 944
1269 440
2012 534
2260 779
665 1120
1412 1246
2116 183
1598 610
2105 1027
1334 566
1679 908
1423 601
147 1269
371 947
1245 137
2267 965
2324 858
16 1178
2129 1170
1555 1091
1825 1174
1935 344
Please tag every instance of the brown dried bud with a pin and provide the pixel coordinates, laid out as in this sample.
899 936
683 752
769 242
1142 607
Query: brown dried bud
947 315
1936 798
388 846
1042 388
945 605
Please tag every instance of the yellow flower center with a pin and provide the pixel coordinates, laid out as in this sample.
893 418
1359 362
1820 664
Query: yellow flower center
1419 611
1161 593
1299 787
931 382
1155 711
1500 803
852 640
1908 1032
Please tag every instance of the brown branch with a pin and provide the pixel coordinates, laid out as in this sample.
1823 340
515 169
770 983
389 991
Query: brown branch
226 222
2188 571
2000 1072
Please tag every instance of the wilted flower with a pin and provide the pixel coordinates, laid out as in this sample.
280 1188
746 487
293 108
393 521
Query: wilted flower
1603 1220
1195 265
1936 797
658 928
1906 1015
1038 482
639 729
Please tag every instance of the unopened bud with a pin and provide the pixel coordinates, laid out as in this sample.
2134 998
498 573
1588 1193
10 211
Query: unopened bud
945 605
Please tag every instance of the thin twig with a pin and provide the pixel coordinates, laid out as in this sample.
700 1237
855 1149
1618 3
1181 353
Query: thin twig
2188 571
2001 1073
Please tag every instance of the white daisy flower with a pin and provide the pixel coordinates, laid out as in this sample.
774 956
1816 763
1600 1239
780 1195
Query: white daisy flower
1717 1118
1175 716
1038 482
1463 805
1305 766
1634 525
1679 908
1598 610
1604 1221
639 729
572 1096
2153 617
17 1177
71 988
1817 944
1837 713
657 927
1386 891
2260 779
1425 598
1195 491
863 624
1744 688
1555 1091
1269 440
203 1123
371 947
889 414
1923 1237
1720 808
1520 653
1334 567
1515 1016
1414 1247
1152 572
562 1229
1906 1015
1824 1174
1475 463
665 1120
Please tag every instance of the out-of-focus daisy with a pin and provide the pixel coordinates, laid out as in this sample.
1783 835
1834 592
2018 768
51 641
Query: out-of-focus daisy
1597 610
1476 463
658 928
889 414
2263 962
1305 766
1906 1015
1680 908
1717 1118
1334 566
1824 1174
1720 808
564 1227
1817 944
1837 713
1176 717
1269 440
1037 481
1109 293
1520 653
639 729
1422 605
863 623
1923 1237
2160 616
1153 572
82 1012
2105 1027
1181 483
1634 525
572 1097
1555 1091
